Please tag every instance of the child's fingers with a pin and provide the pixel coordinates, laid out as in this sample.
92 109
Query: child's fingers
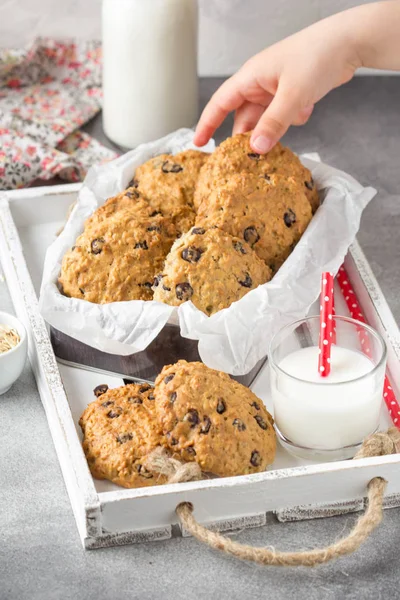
303 115
247 117
226 99
275 121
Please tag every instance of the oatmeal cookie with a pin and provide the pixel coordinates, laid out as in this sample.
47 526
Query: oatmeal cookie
117 258
235 155
269 215
168 182
211 268
209 418
120 430
129 200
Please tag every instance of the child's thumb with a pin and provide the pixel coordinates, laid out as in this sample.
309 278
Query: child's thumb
276 120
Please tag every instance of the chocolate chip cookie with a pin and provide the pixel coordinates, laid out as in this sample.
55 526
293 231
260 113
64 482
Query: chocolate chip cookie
270 214
116 258
235 155
129 200
209 418
120 430
211 268
168 182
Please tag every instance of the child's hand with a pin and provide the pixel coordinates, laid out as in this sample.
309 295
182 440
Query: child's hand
279 87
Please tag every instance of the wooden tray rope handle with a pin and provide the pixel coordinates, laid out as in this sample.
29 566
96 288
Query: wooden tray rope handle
378 444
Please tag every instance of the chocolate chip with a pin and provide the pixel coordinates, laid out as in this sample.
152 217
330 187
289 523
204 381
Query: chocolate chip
191 254
166 288
239 247
124 437
246 282
289 217
169 377
97 245
191 451
157 280
146 284
267 177
251 236
132 194
254 156
100 389
261 422
221 406
192 416
255 458
309 184
198 230
173 441
73 248
150 397
205 426
107 403
154 228
133 183
256 405
183 291
113 414
155 213
170 167
142 245
172 397
143 472
82 291
239 424
135 400
144 388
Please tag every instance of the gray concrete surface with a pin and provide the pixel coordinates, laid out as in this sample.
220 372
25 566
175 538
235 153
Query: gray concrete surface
356 128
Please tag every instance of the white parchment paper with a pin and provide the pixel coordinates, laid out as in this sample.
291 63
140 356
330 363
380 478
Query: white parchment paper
234 339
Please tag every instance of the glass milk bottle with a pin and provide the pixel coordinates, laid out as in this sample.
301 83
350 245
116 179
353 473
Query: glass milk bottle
150 85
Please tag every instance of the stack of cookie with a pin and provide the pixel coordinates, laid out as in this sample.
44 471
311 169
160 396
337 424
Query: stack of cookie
193 412
125 242
235 217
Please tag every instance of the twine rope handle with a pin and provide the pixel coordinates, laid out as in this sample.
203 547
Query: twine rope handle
378 444
176 472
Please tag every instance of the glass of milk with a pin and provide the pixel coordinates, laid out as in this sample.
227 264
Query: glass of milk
326 418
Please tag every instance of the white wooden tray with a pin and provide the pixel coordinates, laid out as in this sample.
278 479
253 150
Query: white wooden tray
107 515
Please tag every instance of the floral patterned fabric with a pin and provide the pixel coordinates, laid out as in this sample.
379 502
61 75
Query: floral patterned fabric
46 93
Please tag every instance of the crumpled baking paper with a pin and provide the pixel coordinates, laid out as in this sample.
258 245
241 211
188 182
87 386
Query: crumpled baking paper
234 339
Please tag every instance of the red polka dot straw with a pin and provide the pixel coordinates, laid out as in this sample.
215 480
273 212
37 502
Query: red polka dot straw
325 325
333 321
354 308
356 313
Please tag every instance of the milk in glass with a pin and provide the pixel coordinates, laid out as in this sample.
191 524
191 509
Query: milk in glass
331 412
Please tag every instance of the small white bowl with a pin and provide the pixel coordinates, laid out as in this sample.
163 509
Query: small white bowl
12 362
